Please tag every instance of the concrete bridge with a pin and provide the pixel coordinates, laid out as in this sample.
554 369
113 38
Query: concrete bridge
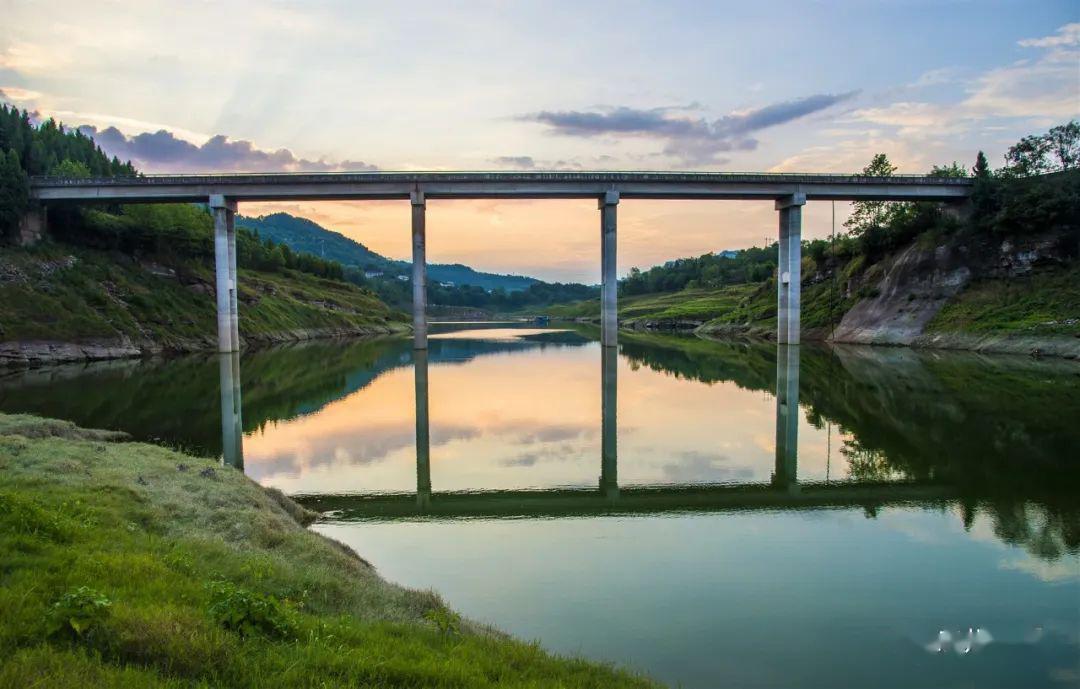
788 192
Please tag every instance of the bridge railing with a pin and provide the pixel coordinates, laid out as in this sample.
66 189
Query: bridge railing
500 175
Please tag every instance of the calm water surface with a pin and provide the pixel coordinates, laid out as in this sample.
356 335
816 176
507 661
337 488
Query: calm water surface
714 515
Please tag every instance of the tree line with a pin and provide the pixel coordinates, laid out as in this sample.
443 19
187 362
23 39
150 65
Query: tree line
399 293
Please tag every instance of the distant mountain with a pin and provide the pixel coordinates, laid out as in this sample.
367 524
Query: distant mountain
301 234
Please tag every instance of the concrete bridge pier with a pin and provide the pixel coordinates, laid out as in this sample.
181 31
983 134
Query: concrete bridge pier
423 439
609 382
609 283
785 474
419 270
232 427
789 269
224 211
32 226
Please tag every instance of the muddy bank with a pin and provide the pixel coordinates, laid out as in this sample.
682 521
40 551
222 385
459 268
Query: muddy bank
31 353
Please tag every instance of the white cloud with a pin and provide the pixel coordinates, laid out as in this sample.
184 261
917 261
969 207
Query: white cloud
936 77
1068 35
16 94
852 155
1047 88
32 59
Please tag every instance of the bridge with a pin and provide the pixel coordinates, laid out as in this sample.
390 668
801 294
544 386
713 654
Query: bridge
788 192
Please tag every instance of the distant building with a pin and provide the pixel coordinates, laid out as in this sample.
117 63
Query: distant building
373 273
446 284
403 278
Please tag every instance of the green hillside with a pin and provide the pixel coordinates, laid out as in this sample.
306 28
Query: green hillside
301 234
63 293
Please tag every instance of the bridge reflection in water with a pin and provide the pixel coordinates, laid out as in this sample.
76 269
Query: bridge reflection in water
784 489
232 427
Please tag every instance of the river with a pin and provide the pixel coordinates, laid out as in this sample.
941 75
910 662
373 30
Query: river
893 518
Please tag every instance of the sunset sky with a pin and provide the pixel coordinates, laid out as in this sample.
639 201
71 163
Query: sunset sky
785 86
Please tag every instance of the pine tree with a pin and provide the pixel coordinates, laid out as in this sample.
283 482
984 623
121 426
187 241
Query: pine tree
982 168
14 193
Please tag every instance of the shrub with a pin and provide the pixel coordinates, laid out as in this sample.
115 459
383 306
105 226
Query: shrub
446 621
248 613
78 613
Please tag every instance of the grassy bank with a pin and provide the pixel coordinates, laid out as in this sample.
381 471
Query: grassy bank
62 293
749 308
132 565
1047 302
688 305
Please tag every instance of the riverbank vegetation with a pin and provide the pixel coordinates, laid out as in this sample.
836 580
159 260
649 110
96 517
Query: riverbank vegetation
132 565
1007 265
65 293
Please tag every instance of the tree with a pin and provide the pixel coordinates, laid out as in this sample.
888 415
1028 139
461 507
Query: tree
1064 143
1027 157
14 193
952 171
869 214
981 171
70 168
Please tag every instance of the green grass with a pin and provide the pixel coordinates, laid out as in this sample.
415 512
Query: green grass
132 565
1039 303
69 294
691 304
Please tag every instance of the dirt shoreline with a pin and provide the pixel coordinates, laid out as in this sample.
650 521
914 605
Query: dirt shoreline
34 353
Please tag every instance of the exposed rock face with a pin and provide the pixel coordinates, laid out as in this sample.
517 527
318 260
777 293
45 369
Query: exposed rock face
916 284
919 281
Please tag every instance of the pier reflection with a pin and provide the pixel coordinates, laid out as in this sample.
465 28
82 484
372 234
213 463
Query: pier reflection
232 426
609 408
423 431
786 474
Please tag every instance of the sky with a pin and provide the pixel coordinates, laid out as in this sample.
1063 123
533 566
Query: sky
737 86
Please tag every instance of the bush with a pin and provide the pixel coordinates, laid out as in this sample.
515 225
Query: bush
248 613
446 621
78 613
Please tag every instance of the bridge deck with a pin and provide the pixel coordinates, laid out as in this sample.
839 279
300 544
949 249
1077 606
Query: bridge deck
477 185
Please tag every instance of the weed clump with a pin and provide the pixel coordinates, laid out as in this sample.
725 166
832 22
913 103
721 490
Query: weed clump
78 613
249 613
